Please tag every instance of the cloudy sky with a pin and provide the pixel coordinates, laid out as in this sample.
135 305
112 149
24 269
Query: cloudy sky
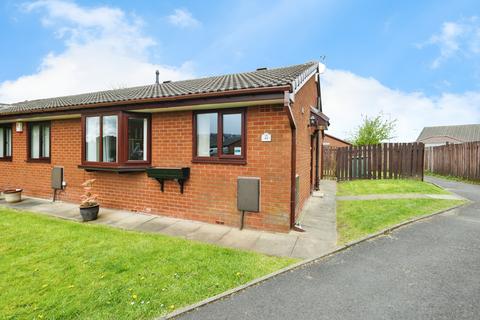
414 61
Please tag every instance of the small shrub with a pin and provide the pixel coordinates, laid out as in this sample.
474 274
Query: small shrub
88 198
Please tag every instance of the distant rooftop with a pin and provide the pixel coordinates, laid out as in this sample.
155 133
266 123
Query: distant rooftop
261 78
464 133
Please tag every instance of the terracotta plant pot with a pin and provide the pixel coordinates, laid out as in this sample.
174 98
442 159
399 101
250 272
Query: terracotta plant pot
13 195
90 213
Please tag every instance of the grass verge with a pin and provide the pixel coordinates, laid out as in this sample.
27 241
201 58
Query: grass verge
52 269
363 187
356 219
452 178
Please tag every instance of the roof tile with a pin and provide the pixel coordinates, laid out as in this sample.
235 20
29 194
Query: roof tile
257 79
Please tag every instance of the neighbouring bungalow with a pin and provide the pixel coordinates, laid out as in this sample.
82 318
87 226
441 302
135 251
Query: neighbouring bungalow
266 124
441 135
331 141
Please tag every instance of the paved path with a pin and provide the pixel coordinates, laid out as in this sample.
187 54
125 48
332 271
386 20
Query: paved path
319 217
426 270
402 196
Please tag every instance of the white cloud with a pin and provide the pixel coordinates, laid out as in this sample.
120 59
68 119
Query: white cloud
104 48
346 97
460 37
183 18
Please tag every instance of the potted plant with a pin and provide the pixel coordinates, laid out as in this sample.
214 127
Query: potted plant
13 195
89 206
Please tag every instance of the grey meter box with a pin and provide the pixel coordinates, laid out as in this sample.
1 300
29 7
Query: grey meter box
57 178
248 194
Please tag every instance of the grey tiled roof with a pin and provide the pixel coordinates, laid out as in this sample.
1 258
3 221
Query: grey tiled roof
292 75
465 133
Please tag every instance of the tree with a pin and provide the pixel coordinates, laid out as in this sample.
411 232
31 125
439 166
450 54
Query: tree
373 131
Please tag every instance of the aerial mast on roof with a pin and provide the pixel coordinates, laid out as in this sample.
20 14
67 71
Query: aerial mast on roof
157 78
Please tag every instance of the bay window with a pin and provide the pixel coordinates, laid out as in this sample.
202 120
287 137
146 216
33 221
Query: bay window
219 136
39 141
116 140
6 142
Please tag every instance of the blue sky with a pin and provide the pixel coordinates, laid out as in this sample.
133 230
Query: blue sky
397 58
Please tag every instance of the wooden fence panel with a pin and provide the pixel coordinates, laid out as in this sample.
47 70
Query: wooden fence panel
329 162
458 160
383 161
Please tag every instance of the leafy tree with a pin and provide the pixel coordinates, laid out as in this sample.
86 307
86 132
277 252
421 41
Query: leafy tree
373 131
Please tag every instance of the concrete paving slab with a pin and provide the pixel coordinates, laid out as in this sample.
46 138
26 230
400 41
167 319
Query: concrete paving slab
210 233
156 224
307 247
182 228
275 244
240 239
134 220
110 217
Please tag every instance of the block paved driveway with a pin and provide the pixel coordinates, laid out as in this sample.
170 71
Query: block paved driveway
426 270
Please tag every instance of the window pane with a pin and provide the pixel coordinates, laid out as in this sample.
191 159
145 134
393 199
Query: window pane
46 141
35 141
110 139
2 143
137 139
8 144
207 135
232 134
92 139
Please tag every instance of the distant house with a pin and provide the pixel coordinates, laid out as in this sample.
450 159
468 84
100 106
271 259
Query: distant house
435 136
332 141
200 135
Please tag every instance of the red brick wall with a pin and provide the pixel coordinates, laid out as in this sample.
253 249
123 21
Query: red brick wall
210 193
332 142
305 98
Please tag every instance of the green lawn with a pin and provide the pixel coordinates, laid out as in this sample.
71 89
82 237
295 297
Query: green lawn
356 219
387 186
51 269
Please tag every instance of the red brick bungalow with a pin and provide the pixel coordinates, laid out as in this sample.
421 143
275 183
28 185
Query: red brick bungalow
267 124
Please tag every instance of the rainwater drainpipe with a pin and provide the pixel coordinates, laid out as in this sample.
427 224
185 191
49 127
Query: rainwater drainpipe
317 160
293 165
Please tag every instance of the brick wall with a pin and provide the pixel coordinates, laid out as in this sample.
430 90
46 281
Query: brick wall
305 98
210 193
332 142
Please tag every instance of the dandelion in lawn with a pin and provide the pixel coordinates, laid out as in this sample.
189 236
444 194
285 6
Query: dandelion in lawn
134 296
172 306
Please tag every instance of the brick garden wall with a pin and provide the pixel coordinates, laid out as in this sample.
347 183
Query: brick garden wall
210 193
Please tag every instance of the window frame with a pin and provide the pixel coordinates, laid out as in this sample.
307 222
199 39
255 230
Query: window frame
41 142
122 141
128 116
4 126
221 158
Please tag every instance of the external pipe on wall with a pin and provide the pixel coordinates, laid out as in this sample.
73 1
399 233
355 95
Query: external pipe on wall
317 160
293 164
